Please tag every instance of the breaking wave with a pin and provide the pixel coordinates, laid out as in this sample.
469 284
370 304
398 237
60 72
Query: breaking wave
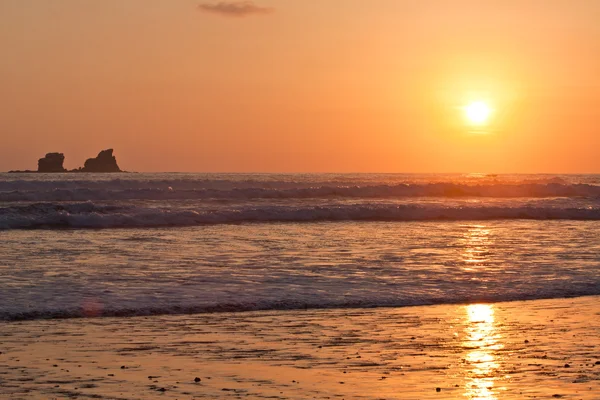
112 191
90 215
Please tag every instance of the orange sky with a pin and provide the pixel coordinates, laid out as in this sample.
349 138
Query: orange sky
302 86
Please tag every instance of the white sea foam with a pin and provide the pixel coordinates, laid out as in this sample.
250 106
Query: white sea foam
90 215
112 190
226 268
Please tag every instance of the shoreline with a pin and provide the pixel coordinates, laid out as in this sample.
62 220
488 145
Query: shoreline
480 351
238 309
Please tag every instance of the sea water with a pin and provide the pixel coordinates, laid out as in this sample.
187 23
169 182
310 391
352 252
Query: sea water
76 245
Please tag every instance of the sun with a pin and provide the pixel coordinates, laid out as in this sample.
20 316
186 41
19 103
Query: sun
478 112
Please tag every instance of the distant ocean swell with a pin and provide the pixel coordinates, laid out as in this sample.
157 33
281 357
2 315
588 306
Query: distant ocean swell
90 215
111 190
95 309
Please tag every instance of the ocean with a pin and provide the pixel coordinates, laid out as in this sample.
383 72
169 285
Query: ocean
137 244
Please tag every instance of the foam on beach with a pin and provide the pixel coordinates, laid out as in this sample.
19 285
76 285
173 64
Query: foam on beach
50 274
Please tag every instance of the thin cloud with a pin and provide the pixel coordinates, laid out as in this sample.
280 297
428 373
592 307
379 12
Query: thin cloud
234 8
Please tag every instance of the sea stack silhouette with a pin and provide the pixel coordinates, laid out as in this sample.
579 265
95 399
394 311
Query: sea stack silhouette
104 162
53 163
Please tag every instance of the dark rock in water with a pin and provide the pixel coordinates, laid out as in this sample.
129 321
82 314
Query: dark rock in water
104 162
52 162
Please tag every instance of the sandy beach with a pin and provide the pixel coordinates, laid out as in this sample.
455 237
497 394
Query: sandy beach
533 349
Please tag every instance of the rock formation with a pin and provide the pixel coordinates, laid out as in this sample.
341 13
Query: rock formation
52 162
105 162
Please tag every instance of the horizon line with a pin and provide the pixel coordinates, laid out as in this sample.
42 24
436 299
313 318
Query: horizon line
309 173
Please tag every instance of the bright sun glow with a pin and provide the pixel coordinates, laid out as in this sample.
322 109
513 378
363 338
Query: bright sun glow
478 112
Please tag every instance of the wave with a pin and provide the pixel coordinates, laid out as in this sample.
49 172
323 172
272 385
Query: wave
290 305
90 215
112 192
274 181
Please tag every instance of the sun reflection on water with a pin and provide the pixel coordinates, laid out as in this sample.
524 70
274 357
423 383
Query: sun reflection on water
482 342
476 242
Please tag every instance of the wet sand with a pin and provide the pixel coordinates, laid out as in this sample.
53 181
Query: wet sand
544 349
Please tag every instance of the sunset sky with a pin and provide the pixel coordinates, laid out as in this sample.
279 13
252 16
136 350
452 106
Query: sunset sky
302 86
